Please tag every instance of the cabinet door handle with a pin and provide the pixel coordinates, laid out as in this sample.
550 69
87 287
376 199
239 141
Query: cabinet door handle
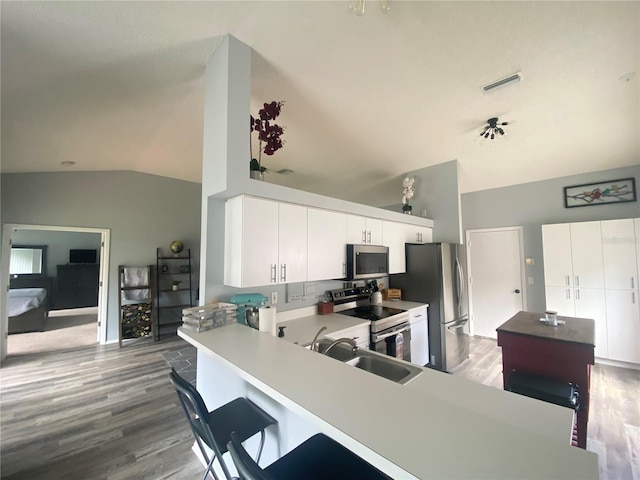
344 268
369 236
568 294
577 294
633 282
364 236
567 280
283 272
577 280
273 272
633 298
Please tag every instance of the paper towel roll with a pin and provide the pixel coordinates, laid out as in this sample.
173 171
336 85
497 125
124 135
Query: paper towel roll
267 316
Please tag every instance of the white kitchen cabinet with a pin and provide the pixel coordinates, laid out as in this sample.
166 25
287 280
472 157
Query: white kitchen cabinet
419 336
590 303
364 230
418 234
251 242
360 334
623 317
326 244
556 249
393 236
560 299
292 243
598 282
586 253
619 254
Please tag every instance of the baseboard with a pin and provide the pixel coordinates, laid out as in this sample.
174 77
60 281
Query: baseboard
615 363
73 311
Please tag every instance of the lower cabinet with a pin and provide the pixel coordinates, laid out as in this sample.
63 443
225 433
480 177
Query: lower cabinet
419 336
623 322
616 314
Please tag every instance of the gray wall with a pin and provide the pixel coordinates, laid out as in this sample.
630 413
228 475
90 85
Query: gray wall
533 204
436 191
142 212
58 244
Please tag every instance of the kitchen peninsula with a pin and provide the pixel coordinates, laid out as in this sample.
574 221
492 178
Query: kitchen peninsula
435 426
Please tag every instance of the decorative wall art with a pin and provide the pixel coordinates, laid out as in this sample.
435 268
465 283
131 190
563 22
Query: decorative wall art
600 193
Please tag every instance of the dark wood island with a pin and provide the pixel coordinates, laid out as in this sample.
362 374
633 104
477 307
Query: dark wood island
564 352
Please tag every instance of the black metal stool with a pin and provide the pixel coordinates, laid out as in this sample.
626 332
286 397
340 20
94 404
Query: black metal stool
214 428
318 458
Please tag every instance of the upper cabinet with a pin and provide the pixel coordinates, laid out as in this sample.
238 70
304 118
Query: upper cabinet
586 251
251 242
619 254
573 255
269 242
265 242
393 236
556 242
418 234
326 244
364 230
292 243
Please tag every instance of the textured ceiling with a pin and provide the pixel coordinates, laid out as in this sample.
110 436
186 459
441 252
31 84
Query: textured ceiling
119 86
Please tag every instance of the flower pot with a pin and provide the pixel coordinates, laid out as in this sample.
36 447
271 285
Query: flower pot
256 175
175 287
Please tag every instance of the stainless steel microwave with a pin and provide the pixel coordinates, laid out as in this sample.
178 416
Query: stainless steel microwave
367 261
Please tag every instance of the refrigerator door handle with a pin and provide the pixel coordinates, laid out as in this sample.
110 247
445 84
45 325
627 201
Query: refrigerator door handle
458 324
460 289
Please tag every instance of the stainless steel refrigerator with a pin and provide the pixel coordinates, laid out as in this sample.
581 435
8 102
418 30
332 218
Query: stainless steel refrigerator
435 276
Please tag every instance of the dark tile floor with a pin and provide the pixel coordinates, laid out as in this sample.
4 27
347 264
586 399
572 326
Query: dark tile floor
184 360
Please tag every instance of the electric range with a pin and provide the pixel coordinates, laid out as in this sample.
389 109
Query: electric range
355 303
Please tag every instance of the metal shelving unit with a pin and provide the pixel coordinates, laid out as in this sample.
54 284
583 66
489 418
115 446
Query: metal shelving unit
170 301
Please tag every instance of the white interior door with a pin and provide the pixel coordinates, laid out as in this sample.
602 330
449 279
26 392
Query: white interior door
496 286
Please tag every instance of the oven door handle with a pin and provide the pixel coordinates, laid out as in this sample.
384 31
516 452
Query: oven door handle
377 338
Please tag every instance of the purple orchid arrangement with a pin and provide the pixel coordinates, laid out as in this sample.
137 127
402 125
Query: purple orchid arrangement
269 133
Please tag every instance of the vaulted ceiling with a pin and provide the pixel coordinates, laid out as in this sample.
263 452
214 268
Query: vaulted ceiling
119 86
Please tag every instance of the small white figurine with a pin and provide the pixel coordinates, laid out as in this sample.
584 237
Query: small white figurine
407 193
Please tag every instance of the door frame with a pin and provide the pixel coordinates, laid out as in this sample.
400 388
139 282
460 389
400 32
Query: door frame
103 288
523 281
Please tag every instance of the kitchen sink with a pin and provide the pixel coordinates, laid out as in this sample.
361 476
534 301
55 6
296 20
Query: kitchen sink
389 369
378 364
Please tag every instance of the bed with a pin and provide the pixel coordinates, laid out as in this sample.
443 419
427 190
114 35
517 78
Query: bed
28 303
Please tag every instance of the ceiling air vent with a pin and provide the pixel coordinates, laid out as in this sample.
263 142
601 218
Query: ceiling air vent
516 77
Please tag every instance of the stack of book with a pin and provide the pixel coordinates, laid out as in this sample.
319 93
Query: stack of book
207 317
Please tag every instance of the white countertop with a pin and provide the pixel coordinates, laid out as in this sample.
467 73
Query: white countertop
436 426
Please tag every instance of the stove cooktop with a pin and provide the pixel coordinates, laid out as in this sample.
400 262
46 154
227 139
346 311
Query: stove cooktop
372 312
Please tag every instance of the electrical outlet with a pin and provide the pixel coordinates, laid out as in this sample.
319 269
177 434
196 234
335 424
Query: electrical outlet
274 298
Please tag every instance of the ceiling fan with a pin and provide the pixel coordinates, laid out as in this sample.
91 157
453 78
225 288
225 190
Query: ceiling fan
492 128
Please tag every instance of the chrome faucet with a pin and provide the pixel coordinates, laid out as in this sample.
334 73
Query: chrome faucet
314 344
350 341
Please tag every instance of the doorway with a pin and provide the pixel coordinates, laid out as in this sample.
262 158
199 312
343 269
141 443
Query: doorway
101 237
496 278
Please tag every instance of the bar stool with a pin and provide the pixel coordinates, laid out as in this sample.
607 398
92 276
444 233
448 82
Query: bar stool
318 458
213 428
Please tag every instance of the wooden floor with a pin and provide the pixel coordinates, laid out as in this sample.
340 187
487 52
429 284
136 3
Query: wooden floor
96 412
614 415
107 413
